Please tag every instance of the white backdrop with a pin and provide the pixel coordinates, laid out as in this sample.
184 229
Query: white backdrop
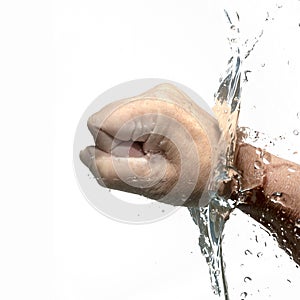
99 45
56 58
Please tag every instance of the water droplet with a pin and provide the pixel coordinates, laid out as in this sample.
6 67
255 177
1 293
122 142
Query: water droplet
246 73
296 132
291 170
247 252
257 165
277 198
258 151
266 157
247 279
243 295
132 179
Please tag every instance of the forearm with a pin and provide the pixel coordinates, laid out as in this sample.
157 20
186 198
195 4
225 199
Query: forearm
271 194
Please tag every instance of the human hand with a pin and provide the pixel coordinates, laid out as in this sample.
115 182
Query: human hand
159 144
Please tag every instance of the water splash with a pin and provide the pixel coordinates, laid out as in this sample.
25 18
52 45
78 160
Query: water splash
211 219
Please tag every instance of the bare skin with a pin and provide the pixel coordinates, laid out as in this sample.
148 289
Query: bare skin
272 196
161 145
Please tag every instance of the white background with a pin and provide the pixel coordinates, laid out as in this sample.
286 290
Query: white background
57 57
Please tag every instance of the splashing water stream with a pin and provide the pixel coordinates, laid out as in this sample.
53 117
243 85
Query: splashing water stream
212 218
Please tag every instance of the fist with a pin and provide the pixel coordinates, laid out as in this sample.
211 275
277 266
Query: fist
159 144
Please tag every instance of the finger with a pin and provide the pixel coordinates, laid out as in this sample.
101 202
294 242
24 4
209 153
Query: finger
88 157
152 177
130 119
123 122
104 141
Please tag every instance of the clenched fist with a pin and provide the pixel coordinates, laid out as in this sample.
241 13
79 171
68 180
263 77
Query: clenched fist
159 144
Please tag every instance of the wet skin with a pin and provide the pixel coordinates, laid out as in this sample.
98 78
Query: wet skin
164 141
